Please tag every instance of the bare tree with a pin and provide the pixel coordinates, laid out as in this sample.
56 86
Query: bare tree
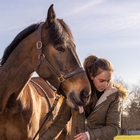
130 108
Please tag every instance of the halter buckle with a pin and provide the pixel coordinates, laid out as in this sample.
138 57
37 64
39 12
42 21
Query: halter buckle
41 56
61 78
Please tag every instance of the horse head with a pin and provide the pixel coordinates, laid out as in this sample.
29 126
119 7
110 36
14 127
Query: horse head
57 54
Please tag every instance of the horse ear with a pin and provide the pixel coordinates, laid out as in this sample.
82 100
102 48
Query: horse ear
51 15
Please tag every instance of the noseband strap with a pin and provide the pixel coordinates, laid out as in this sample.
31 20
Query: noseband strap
79 70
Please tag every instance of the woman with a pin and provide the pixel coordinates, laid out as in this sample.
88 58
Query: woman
101 119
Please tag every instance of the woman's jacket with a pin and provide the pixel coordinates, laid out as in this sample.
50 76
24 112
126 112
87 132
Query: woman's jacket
104 121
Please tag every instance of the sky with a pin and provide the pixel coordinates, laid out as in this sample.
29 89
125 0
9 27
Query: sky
106 28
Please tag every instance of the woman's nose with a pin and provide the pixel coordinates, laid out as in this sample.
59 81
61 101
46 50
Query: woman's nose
105 84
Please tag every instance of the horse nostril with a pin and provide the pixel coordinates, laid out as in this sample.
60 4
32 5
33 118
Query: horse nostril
84 95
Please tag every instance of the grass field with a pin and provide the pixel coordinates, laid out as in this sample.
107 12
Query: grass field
128 137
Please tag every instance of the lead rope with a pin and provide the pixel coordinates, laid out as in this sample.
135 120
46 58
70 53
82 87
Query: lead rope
74 124
48 114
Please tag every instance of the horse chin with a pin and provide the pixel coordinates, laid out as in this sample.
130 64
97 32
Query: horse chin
72 105
74 101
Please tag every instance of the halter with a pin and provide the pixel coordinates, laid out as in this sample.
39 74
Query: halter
41 57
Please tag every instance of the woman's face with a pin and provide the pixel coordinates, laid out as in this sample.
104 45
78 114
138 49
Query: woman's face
102 80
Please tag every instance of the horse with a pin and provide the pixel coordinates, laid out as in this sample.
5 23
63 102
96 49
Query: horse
48 49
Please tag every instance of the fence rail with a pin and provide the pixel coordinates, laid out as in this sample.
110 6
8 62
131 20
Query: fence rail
127 137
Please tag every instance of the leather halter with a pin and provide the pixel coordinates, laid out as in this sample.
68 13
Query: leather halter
41 57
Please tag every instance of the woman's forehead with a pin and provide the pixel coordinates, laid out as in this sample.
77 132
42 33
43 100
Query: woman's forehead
105 75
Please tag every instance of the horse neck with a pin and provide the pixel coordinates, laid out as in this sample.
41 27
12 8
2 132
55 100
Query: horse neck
18 69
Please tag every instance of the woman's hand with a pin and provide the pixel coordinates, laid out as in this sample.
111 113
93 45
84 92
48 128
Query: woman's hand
81 136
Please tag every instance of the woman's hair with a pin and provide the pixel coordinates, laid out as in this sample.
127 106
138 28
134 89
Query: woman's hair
94 66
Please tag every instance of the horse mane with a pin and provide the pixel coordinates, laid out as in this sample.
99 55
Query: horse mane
58 30
23 34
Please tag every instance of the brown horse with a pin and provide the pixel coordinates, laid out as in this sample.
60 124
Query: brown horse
47 48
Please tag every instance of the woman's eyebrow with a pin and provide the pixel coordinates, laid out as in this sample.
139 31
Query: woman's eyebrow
104 79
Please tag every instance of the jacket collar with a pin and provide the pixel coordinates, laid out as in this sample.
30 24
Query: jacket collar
107 92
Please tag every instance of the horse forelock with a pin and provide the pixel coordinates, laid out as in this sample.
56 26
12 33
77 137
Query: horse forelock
60 32
66 28
23 34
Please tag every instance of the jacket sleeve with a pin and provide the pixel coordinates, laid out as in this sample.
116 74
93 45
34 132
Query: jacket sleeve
58 123
112 127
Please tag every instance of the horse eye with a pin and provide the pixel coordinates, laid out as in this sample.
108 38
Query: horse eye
61 49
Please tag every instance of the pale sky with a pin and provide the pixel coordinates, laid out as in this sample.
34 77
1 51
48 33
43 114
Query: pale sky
107 28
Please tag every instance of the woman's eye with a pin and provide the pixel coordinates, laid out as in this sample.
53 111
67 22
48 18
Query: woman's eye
108 81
